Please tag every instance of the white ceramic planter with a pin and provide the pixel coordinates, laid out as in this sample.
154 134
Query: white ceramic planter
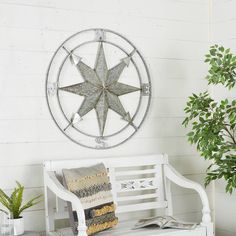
18 226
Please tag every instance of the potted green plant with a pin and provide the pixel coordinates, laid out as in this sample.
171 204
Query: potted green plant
14 207
212 123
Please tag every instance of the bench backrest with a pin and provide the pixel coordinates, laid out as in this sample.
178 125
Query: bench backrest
138 182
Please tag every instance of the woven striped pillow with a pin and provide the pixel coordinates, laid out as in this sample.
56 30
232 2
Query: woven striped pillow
93 188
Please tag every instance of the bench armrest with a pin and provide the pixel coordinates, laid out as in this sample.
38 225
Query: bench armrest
60 191
180 180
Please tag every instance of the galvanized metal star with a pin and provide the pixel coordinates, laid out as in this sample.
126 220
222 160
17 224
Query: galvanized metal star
101 89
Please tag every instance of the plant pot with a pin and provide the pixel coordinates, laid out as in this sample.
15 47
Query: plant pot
18 226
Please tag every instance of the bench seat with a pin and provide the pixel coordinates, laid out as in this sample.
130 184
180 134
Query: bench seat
125 229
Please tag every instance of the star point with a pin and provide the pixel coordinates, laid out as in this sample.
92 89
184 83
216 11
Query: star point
127 59
75 59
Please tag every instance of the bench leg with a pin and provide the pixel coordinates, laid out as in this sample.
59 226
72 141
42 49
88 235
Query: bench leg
210 228
49 203
82 231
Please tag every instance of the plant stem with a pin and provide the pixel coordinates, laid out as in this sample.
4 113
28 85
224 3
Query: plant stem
231 136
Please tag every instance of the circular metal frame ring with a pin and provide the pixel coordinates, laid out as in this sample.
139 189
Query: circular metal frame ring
101 103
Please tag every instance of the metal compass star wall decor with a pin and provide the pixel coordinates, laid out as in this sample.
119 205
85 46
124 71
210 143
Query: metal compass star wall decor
107 104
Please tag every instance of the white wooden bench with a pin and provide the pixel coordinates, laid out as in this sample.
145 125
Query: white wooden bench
139 183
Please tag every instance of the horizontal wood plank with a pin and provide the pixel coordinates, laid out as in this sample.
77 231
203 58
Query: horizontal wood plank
36 152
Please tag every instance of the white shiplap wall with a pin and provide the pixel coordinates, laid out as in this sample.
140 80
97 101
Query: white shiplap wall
173 36
223 32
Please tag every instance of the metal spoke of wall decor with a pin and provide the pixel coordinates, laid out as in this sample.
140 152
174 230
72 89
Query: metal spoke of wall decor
98 91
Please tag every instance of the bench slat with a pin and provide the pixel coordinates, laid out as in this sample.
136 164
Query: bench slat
129 161
141 206
138 197
135 172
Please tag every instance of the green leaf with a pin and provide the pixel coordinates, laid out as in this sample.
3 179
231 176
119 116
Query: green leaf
221 49
213 52
30 203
